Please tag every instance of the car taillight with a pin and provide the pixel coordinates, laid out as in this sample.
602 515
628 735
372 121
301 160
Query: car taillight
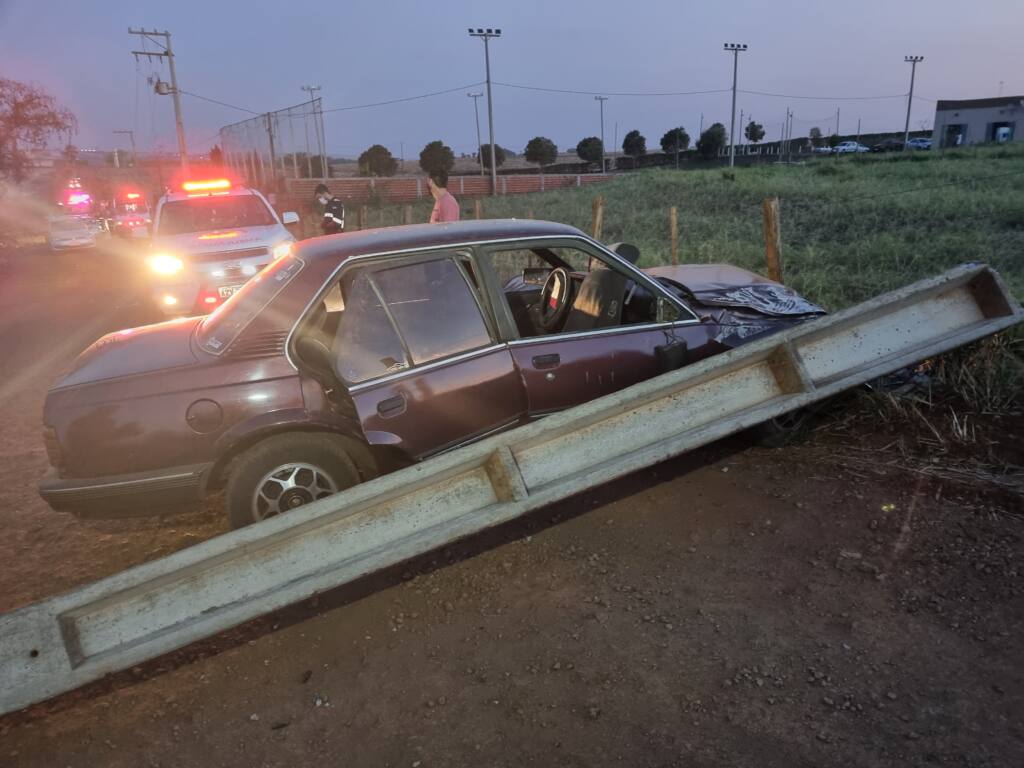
52 445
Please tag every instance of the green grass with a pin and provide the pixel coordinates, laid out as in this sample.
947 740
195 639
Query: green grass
851 226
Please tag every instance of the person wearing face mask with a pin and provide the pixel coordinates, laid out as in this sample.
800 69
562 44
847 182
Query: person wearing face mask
330 210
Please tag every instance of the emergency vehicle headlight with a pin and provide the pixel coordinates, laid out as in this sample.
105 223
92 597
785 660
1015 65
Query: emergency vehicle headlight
165 264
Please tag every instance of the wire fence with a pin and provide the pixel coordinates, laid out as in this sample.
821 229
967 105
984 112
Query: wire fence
285 144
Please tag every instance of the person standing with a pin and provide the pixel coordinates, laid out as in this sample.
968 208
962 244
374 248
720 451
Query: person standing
446 207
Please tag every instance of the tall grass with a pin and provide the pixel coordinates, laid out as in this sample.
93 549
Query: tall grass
851 226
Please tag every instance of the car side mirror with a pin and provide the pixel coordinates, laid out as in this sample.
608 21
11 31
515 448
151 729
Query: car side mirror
667 312
626 251
140 233
289 217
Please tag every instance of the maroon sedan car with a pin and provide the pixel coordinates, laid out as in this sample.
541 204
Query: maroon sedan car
363 352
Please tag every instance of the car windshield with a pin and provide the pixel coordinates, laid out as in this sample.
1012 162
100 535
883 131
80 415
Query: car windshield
201 214
219 329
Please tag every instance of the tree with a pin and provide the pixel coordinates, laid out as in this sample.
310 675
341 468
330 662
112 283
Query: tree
377 161
216 156
754 132
712 141
541 151
499 155
590 150
833 140
675 140
634 144
29 116
437 156
815 135
70 154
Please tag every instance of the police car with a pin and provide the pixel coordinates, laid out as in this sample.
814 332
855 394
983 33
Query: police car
208 238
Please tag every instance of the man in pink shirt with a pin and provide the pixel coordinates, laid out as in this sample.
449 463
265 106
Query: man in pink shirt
446 207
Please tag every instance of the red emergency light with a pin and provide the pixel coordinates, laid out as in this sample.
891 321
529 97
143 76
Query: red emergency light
206 185
133 196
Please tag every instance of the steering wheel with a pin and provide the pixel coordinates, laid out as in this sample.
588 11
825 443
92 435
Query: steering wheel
554 299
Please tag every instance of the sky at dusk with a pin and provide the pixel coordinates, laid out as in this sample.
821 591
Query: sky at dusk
257 54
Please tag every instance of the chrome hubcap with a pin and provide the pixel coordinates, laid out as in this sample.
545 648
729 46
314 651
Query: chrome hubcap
290 486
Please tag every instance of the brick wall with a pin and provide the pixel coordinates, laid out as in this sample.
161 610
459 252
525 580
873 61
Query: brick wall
408 190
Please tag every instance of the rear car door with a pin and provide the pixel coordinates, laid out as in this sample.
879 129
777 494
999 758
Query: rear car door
419 357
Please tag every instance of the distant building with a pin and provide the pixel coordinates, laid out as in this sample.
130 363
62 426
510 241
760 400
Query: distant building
978 121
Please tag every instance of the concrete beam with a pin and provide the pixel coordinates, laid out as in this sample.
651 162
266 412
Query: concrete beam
61 643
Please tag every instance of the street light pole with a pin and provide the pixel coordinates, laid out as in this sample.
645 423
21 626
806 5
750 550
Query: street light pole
735 49
601 100
487 34
912 61
479 145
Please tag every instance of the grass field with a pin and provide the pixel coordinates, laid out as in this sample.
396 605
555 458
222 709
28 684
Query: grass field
851 226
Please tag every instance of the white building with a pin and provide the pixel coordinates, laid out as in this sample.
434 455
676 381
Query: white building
978 121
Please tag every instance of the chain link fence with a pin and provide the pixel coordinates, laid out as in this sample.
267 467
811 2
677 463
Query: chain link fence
285 144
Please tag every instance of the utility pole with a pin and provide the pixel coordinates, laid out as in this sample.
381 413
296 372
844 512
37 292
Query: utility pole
479 144
317 130
701 129
837 121
401 150
131 135
601 100
166 53
735 49
913 62
858 130
741 128
486 35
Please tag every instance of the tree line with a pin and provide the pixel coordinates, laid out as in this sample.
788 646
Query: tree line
542 151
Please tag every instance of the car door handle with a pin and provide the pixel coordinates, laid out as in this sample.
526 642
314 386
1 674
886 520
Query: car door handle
541 362
393 406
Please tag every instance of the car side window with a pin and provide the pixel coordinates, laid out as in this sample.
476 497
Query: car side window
366 344
434 308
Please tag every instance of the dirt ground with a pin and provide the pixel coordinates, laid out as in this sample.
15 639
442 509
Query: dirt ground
840 602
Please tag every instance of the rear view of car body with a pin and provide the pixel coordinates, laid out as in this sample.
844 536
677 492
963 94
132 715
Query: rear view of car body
70 232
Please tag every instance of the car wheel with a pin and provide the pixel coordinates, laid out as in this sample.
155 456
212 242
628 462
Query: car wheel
784 429
285 472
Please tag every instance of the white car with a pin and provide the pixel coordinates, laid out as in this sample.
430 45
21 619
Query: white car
66 232
850 146
208 239
919 144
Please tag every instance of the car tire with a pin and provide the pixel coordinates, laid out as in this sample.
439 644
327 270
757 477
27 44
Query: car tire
783 430
284 472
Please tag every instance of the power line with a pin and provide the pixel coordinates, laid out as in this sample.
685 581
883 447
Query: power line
221 103
399 101
609 93
825 98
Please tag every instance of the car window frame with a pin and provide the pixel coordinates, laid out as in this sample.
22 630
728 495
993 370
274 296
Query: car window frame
382 262
596 251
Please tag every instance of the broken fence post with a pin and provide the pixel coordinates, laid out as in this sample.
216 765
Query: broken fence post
478 208
597 217
673 229
407 214
772 238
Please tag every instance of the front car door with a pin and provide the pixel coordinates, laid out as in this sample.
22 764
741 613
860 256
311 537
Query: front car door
418 354
614 336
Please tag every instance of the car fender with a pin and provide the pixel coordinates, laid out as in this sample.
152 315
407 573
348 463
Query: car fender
247 433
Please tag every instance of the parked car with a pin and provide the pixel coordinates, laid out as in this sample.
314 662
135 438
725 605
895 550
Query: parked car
845 147
359 353
822 150
919 144
209 236
888 145
67 232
